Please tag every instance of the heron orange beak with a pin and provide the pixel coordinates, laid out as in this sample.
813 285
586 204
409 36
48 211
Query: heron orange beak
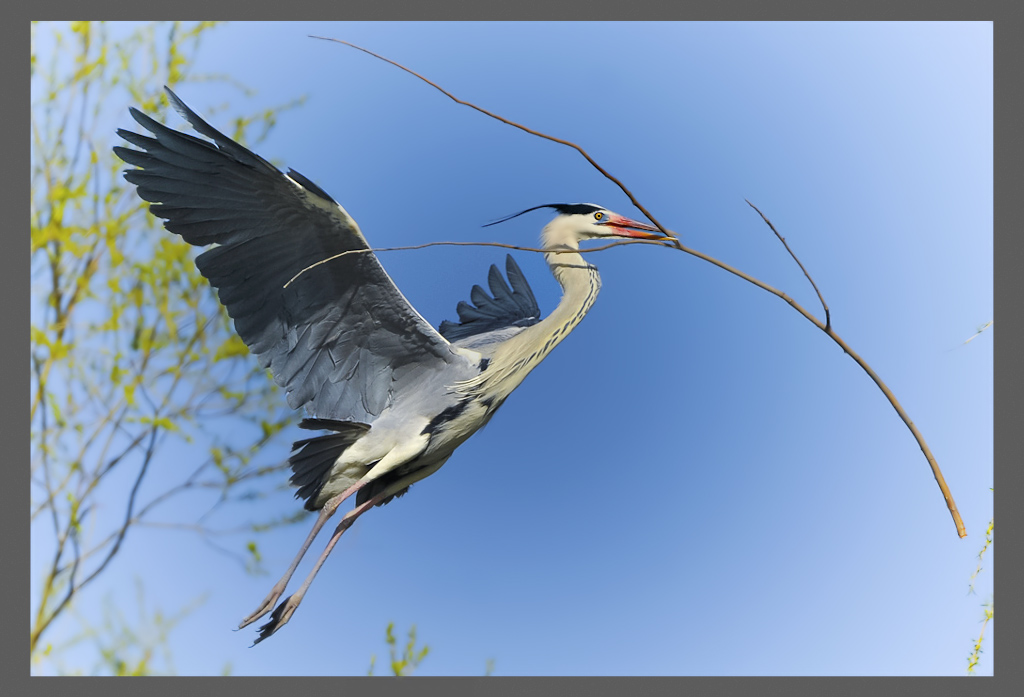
624 227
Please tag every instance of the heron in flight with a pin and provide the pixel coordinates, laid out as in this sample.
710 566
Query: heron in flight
395 396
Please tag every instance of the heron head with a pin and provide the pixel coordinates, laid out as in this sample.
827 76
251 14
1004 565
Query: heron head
585 221
591 221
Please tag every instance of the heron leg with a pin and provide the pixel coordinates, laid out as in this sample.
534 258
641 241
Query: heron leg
283 612
408 451
326 512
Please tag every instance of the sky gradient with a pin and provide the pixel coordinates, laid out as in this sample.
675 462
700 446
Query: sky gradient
697 481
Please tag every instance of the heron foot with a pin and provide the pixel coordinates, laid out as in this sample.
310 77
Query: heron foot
265 606
279 618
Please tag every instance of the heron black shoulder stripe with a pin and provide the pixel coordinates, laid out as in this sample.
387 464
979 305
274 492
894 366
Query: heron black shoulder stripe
449 414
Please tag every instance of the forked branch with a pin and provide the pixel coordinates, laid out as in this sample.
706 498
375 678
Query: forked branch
828 315
823 326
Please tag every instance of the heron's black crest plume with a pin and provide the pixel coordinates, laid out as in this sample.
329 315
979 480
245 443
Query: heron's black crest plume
563 208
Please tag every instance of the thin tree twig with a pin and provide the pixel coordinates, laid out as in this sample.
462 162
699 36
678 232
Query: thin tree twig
147 459
975 335
828 315
825 327
618 243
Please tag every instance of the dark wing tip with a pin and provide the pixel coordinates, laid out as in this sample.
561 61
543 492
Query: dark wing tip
309 185
513 306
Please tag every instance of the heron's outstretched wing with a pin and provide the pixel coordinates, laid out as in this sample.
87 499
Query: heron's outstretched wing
513 307
340 338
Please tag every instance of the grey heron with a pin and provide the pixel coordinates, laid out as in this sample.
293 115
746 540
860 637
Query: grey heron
396 396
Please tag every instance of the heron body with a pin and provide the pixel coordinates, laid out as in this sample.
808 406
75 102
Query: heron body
396 396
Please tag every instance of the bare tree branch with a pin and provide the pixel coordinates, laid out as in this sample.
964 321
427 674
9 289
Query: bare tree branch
824 326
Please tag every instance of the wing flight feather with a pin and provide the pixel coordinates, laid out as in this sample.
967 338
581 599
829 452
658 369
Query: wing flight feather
510 307
341 339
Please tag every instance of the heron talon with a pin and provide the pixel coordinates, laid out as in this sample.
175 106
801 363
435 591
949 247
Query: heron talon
279 618
263 609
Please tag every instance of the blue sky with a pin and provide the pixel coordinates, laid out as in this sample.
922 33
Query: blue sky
697 481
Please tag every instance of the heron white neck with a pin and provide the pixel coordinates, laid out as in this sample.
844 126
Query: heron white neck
579 280
514 359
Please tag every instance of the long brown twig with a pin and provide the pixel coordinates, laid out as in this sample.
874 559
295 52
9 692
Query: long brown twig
824 326
618 243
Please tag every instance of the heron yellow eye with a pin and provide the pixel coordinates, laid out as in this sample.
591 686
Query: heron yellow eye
598 216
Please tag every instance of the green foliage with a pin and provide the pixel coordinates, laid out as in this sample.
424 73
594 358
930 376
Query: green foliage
989 608
410 658
975 657
130 349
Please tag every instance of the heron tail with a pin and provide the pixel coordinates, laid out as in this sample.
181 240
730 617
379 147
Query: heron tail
312 458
